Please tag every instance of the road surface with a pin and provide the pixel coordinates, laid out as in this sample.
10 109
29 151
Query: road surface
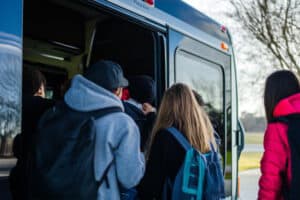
253 148
249 184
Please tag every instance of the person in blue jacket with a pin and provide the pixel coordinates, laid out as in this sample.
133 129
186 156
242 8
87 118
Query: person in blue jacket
117 137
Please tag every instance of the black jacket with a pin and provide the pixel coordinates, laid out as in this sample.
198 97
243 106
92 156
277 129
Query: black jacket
144 122
33 108
165 159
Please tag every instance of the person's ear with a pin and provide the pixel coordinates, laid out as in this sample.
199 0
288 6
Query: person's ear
118 92
41 91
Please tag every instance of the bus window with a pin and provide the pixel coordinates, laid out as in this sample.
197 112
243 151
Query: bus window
207 79
210 79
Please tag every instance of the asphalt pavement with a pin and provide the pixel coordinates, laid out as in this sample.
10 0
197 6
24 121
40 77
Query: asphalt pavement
253 148
249 179
249 184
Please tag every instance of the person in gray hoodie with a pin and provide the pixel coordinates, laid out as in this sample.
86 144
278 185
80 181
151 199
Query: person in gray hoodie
117 137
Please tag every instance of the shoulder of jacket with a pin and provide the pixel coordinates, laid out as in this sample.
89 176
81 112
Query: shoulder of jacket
116 116
277 126
163 136
119 119
277 130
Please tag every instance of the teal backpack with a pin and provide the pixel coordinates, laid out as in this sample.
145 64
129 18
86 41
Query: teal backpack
200 176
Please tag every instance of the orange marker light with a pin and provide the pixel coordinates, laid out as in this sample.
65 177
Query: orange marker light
224 46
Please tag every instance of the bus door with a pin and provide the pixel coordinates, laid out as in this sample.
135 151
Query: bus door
10 85
208 71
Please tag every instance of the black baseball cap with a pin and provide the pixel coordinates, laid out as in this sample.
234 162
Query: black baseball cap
107 74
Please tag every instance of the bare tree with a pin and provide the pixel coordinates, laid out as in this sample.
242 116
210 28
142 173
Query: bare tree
275 24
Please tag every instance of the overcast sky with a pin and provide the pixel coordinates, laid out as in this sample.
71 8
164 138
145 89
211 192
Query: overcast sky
250 90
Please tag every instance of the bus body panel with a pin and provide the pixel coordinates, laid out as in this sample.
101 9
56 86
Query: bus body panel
209 62
237 134
10 85
10 72
193 28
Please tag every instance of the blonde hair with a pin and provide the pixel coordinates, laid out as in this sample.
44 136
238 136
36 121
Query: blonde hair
179 108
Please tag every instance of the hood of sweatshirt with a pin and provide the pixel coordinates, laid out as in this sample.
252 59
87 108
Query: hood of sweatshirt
85 95
287 106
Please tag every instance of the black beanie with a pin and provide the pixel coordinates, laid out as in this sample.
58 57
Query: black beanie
142 89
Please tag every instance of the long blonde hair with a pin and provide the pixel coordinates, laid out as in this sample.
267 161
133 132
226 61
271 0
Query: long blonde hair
179 108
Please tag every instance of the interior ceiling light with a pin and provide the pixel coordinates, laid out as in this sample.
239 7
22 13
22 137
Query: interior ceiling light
52 57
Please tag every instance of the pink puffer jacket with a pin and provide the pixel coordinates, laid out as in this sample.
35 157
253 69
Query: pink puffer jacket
276 160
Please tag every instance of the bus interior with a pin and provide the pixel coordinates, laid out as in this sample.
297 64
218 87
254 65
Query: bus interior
62 38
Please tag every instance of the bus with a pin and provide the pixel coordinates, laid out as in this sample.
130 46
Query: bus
166 39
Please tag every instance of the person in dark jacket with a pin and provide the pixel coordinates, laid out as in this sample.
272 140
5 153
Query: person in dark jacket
179 109
140 105
281 98
34 105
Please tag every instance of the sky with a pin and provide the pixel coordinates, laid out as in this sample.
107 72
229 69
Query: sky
250 89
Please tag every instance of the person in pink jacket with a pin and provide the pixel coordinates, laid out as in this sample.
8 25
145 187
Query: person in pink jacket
281 98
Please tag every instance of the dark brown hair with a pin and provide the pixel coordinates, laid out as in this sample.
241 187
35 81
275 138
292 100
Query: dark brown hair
32 80
279 85
198 98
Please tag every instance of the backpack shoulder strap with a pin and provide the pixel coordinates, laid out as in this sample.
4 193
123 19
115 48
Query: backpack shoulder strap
212 148
180 138
105 111
286 119
280 119
293 117
293 123
96 114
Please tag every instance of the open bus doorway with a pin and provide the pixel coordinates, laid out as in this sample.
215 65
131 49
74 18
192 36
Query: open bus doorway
62 38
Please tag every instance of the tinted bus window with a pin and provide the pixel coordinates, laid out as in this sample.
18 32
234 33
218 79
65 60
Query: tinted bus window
206 78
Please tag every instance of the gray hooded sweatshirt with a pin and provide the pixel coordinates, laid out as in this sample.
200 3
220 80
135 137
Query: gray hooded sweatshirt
117 138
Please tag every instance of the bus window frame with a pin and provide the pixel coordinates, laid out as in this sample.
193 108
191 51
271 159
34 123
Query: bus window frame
224 111
178 40
206 60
